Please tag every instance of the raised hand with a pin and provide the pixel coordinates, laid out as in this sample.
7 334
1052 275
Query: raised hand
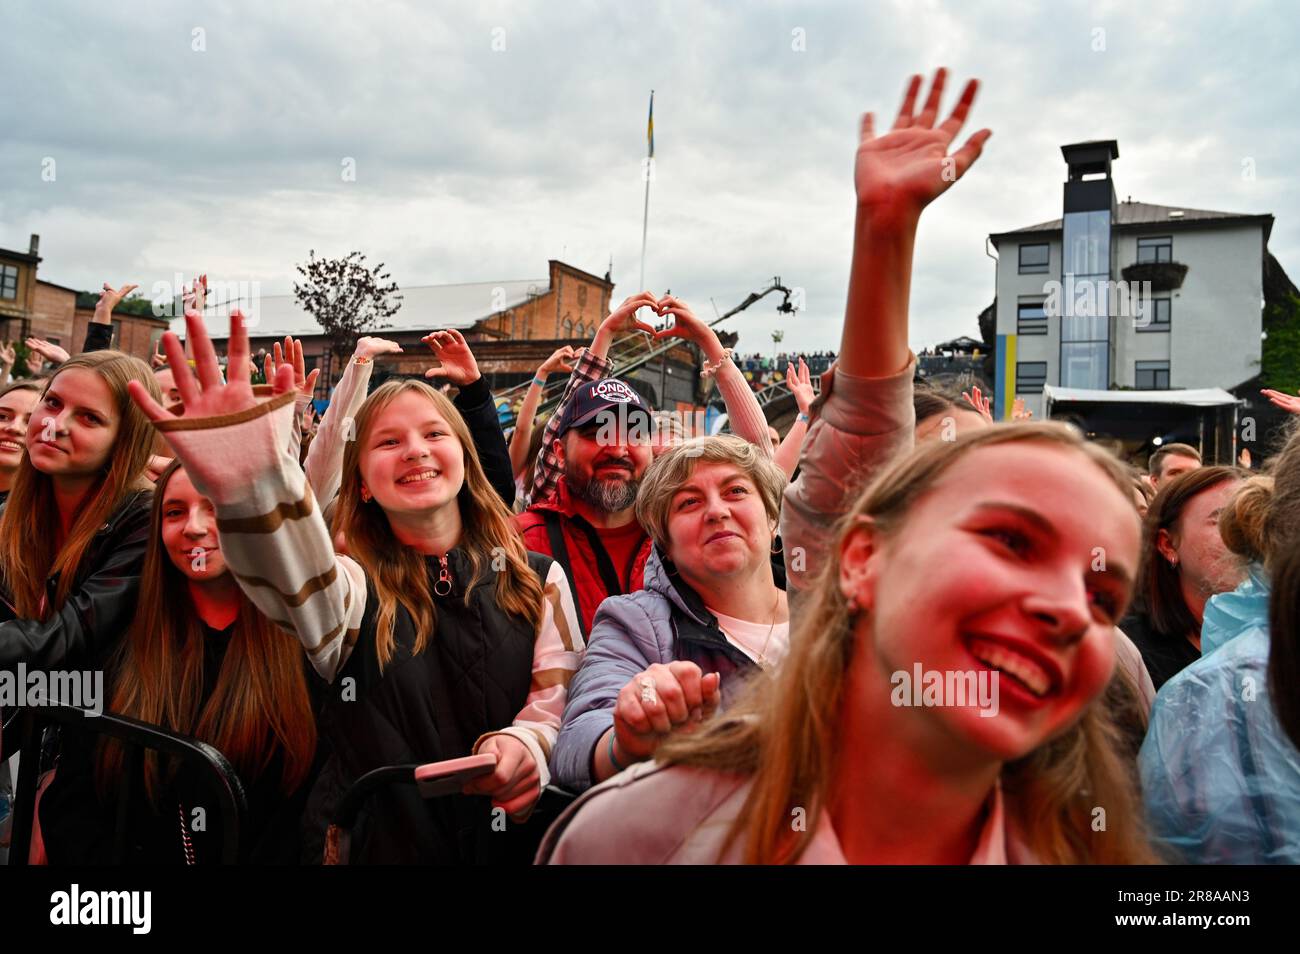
109 299
1287 402
194 296
684 324
291 354
799 381
976 399
909 167
203 392
368 347
623 318
35 362
560 360
50 350
1019 412
156 360
457 361
659 700
8 355
687 326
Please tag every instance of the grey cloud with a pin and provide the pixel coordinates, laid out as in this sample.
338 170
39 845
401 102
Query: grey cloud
479 165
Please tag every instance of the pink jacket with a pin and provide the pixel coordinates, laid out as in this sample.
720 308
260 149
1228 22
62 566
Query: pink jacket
859 426
674 815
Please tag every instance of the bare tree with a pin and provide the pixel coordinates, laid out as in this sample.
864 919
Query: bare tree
346 297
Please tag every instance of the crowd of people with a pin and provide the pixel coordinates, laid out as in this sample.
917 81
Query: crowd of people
763 371
669 648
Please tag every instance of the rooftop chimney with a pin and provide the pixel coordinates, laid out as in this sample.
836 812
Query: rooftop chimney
1089 187
34 247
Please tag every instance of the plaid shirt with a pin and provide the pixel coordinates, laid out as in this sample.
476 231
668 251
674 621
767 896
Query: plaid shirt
547 472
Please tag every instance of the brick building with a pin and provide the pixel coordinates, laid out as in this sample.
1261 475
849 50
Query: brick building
512 326
32 306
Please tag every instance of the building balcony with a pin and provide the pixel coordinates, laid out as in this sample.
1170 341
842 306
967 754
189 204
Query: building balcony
1163 276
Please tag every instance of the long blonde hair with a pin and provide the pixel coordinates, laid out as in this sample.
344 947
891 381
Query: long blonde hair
259 704
28 551
784 732
399 572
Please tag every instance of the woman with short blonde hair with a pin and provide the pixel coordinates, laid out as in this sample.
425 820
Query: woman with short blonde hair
672 469
711 614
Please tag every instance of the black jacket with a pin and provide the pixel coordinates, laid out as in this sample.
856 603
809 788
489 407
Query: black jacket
78 819
473 677
1164 654
99 607
98 337
697 637
477 406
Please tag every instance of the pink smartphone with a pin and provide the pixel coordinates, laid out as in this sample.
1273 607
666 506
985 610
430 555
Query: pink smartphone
449 777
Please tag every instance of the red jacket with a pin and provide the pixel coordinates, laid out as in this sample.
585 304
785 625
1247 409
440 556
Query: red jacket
592 574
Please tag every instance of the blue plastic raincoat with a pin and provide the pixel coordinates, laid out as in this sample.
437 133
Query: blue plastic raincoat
1220 779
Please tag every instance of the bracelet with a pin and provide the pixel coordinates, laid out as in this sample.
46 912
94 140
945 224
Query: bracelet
612 760
802 417
361 359
540 382
713 367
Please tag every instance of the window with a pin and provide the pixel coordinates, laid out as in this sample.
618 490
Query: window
1152 376
1085 331
8 282
1155 316
1156 249
116 341
1030 377
1033 259
567 325
1030 318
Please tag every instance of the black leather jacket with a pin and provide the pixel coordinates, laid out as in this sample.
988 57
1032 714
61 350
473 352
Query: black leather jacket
100 606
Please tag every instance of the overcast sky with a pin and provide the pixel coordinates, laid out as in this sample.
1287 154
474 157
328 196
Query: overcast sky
476 163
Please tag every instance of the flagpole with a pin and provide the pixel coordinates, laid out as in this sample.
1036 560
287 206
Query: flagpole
645 223
649 167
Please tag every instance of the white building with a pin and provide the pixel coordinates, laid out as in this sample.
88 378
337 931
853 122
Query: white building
1064 287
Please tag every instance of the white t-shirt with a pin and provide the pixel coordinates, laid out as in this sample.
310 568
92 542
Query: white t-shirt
749 637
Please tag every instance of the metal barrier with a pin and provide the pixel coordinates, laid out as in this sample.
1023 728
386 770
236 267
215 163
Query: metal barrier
214 770
338 837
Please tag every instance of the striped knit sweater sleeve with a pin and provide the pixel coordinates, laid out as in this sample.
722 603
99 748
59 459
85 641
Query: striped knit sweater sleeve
557 654
272 534
324 464
300 404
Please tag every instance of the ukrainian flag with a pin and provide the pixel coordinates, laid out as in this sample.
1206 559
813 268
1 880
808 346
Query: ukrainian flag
650 126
